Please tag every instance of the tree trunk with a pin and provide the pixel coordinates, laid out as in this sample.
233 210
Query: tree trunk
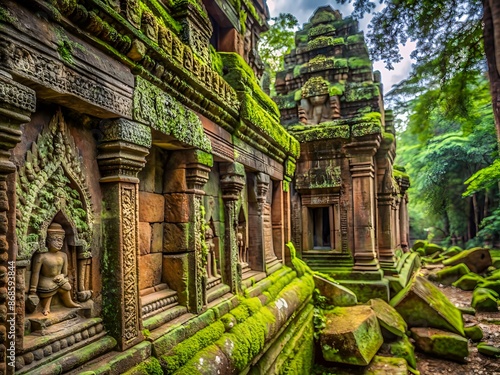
476 213
491 19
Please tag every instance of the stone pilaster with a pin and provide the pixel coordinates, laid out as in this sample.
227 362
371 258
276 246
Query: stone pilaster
17 102
122 154
362 168
232 182
198 165
260 250
386 234
404 221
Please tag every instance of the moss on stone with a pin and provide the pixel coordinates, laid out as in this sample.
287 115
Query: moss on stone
361 91
402 348
186 349
468 281
475 333
484 300
356 38
359 63
150 366
449 275
489 350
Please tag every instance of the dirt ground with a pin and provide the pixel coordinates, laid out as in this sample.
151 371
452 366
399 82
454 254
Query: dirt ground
477 363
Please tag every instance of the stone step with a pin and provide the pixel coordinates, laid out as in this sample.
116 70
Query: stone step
115 363
78 326
40 322
71 357
158 301
164 317
217 292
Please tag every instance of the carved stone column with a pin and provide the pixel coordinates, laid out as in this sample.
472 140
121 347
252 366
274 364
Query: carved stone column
17 102
364 204
404 221
122 154
386 238
198 165
232 182
260 251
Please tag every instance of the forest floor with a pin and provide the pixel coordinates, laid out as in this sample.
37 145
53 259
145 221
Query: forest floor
476 363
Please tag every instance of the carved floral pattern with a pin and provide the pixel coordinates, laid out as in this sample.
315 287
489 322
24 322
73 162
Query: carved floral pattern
129 237
52 180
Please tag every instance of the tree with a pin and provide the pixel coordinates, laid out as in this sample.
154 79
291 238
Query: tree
442 154
453 37
277 41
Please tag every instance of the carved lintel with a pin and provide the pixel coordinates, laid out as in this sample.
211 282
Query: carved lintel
123 150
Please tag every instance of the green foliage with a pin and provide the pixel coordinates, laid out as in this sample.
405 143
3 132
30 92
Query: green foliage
441 149
320 30
277 41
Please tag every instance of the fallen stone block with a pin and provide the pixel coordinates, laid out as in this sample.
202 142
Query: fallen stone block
489 350
476 259
352 335
391 323
495 275
451 251
419 244
422 304
441 344
403 348
468 282
432 248
475 333
491 284
387 366
336 294
449 275
484 300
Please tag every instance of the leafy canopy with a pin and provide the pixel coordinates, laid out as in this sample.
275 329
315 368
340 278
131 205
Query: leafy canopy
278 40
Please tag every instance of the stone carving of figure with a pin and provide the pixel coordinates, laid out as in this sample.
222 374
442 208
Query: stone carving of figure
49 272
315 109
242 253
211 259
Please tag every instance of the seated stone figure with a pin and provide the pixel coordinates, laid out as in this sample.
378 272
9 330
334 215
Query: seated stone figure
315 106
49 271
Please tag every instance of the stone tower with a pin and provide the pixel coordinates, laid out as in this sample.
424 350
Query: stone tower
349 215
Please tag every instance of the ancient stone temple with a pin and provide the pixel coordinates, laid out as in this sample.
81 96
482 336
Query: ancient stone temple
348 203
144 193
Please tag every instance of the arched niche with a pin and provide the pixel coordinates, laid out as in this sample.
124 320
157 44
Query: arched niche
51 186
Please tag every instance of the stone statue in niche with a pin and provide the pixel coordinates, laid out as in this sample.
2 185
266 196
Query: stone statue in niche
211 258
49 272
242 251
316 105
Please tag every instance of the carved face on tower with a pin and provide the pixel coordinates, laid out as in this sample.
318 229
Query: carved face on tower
314 106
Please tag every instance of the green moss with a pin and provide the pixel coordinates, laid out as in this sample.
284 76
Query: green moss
315 86
254 114
489 350
449 275
150 366
475 333
217 64
361 91
162 16
340 63
356 38
320 30
398 174
322 17
484 300
359 63
468 281
186 349
242 78
6 16
323 41
402 348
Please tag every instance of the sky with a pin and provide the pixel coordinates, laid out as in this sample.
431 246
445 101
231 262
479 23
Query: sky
303 10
